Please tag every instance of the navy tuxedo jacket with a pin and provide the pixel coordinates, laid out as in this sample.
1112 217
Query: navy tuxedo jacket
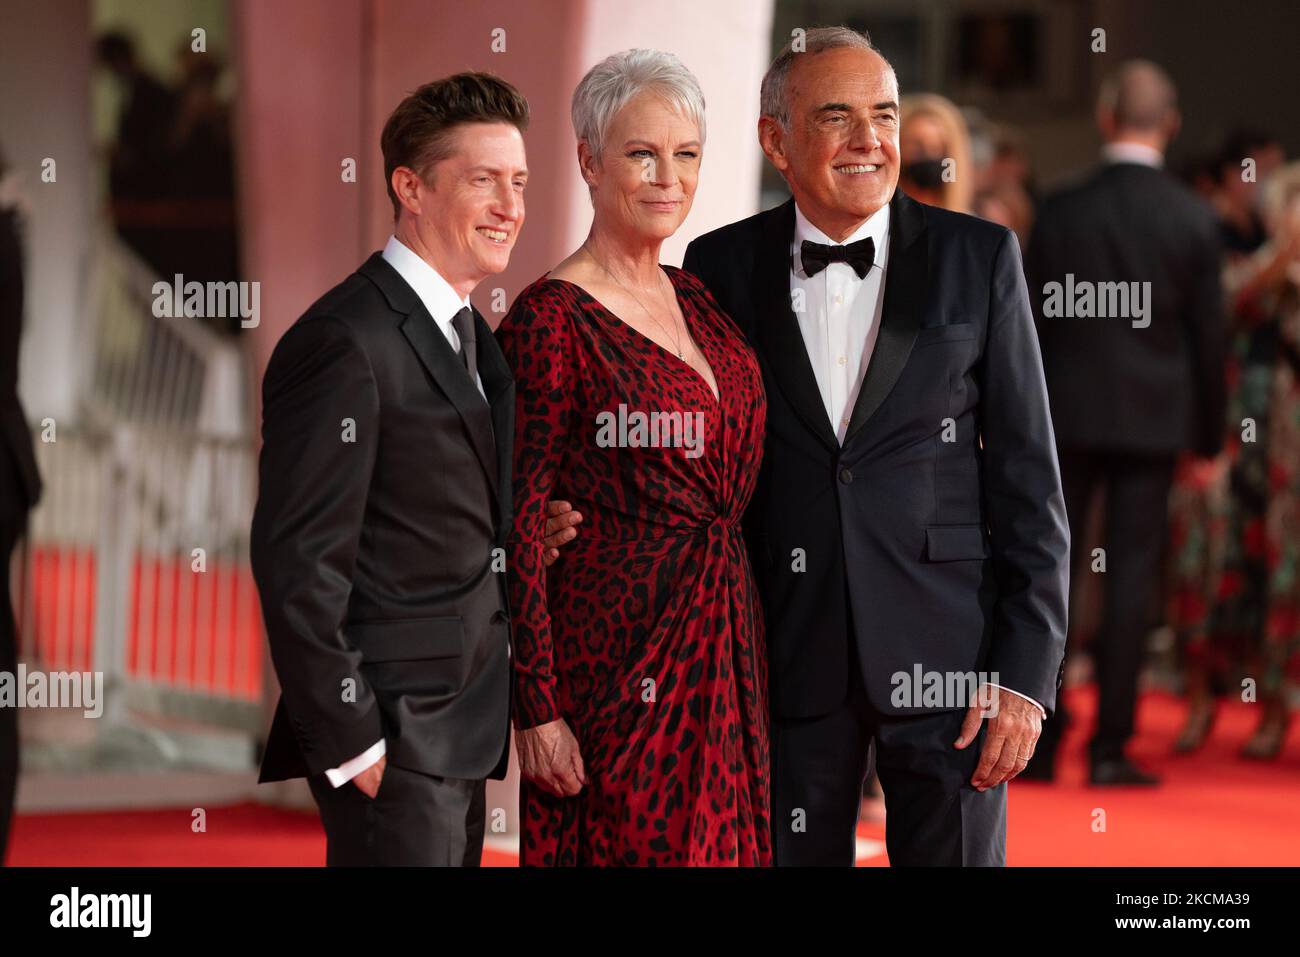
936 537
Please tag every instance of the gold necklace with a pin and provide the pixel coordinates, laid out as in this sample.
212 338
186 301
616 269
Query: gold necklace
675 340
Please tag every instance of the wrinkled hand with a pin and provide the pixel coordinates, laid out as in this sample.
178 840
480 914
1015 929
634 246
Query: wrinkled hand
560 522
368 780
1014 726
548 755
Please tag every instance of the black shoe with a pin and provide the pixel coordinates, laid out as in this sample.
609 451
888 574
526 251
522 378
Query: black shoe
1120 771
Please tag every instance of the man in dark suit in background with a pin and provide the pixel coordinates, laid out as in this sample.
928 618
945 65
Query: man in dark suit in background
1130 386
388 414
909 519
20 490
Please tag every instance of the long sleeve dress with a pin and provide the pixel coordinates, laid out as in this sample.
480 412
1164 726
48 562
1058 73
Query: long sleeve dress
647 635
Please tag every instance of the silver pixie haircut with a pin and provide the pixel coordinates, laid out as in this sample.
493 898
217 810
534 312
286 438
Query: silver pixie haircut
616 80
772 100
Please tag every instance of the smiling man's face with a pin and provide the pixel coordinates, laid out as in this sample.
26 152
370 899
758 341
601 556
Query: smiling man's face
464 218
840 155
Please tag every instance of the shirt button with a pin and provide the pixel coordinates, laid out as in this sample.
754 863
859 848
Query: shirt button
843 360
846 475
838 300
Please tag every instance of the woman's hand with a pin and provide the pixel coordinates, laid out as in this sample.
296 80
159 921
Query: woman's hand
548 755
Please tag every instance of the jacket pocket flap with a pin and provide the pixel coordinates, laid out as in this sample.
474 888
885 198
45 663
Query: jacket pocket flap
953 332
407 639
951 543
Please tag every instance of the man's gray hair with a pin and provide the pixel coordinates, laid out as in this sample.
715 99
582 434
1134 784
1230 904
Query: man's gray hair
772 100
617 79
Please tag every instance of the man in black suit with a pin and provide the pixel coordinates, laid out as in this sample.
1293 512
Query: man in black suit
385 500
1123 269
20 490
909 526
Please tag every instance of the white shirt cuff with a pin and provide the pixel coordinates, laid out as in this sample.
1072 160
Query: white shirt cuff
348 770
1041 709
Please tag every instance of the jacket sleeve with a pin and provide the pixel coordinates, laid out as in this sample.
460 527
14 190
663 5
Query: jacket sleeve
538 348
320 432
1024 505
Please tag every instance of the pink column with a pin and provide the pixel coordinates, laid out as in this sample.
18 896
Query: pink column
299 114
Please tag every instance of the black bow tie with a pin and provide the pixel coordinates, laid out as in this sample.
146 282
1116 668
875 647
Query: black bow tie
816 257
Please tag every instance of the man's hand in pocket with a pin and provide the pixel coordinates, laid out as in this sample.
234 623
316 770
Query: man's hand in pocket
368 780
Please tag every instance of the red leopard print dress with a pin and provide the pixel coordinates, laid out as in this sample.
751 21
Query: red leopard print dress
647 635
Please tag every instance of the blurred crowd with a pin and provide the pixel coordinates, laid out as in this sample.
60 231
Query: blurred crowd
171 177
1222 569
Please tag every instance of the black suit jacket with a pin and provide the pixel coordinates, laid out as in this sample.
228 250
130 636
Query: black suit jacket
20 483
946 555
1157 389
374 557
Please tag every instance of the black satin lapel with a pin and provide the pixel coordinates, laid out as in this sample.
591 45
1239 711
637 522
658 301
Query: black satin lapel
448 372
778 329
905 279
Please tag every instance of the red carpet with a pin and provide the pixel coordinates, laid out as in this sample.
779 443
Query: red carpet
1213 809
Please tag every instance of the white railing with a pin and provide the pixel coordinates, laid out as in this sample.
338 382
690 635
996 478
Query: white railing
136 562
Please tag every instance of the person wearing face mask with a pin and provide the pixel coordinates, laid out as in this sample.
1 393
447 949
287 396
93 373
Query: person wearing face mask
934 152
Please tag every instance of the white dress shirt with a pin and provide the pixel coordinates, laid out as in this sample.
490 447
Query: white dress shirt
443 304
434 291
840 321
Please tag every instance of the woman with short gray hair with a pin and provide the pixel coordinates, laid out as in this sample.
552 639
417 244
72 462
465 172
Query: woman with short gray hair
640 694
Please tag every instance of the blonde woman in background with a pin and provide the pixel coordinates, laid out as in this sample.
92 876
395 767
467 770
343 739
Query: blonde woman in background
931 133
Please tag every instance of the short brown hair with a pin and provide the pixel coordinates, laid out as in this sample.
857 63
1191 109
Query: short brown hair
417 134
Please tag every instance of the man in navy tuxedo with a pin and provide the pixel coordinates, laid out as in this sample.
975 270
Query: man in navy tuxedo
909 529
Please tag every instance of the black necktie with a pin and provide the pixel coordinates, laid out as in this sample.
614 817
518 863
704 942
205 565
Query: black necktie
463 322
816 257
